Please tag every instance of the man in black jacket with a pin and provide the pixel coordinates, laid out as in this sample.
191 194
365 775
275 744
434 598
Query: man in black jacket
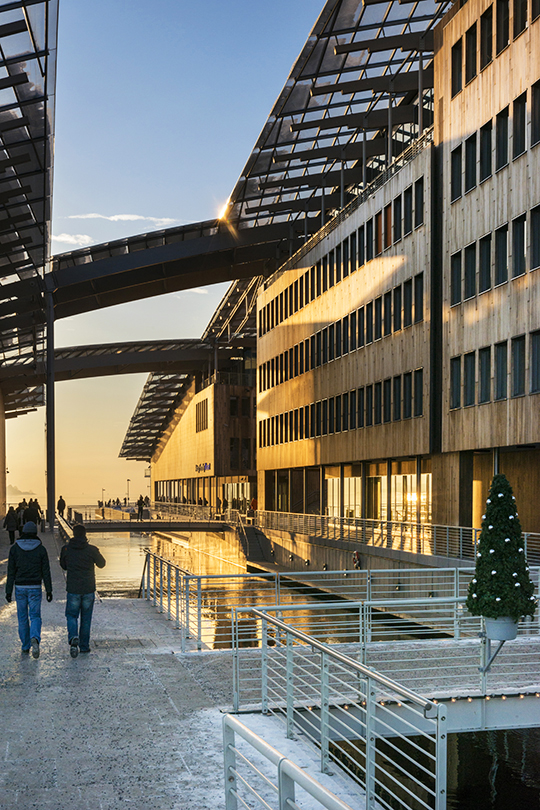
28 566
79 559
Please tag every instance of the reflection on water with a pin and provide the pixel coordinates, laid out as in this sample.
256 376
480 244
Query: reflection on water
124 554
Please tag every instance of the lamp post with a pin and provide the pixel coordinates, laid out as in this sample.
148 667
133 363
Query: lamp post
103 496
129 479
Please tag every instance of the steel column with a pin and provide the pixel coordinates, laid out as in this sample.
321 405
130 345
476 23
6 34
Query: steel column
50 420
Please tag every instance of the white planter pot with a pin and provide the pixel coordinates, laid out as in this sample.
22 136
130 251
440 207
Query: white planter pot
502 629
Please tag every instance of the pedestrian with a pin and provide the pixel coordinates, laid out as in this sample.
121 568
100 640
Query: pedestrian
79 559
61 505
140 507
28 567
31 513
11 523
20 512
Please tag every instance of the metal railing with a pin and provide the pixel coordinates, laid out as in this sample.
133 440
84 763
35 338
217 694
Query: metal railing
247 379
264 789
388 738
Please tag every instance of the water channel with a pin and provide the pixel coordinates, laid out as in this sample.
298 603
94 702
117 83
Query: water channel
486 770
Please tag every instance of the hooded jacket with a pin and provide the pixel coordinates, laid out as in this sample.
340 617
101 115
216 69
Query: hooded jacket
28 564
79 559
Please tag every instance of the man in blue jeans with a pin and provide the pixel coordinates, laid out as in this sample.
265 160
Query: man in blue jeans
79 559
28 567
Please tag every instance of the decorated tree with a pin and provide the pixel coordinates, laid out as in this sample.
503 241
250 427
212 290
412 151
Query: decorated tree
501 585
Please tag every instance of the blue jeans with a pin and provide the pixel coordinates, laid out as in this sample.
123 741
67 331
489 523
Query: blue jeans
29 614
80 604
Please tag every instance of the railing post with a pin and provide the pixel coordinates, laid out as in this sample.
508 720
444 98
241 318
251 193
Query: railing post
199 614
285 788
160 585
371 747
155 577
177 595
290 687
325 714
236 680
440 759
264 667
229 760
169 591
186 603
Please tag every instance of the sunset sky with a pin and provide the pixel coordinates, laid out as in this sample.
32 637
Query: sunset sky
158 106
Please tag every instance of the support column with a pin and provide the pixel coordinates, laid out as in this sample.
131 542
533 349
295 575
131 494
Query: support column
420 93
389 156
50 424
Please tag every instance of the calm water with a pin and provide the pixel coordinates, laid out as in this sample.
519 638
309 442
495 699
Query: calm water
486 770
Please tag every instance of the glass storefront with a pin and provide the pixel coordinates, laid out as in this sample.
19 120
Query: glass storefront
352 491
377 491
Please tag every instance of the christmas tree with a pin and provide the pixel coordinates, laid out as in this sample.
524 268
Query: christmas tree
501 585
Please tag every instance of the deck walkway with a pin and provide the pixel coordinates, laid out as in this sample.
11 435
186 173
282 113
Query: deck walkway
134 724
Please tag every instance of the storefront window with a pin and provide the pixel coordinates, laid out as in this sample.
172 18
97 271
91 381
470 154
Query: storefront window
352 491
404 494
332 482
425 491
376 491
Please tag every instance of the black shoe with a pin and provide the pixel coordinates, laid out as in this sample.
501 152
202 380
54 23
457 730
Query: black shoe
34 643
74 647
25 652
84 651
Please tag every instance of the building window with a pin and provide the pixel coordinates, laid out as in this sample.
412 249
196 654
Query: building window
518 246
470 162
457 67
338 414
352 410
501 370
501 255
408 210
324 423
352 332
369 240
535 113
338 339
469 395
484 360
346 266
484 276
419 202
361 247
361 408
455 278
397 219
378 318
470 54
419 392
361 327
519 125
520 17
245 453
369 405
407 395
345 335
503 24
387 400
233 406
535 9
353 252
345 412
369 322
501 139
455 174
419 298
325 273
388 313
331 415
486 38
455 382
518 366
377 410
535 362
328 344
201 416
485 151
388 225
397 399
469 285
331 273
535 237
407 302
234 454
338 264
397 308
318 355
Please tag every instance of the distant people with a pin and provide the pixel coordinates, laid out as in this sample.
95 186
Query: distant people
147 501
28 567
61 505
11 524
79 559
218 504
20 514
125 501
31 513
140 507
253 504
225 504
199 502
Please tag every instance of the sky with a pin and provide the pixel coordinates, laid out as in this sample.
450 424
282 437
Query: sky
158 106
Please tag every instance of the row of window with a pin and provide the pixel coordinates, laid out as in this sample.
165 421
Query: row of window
471 378
387 227
466 171
486 263
398 308
201 416
389 400
479 55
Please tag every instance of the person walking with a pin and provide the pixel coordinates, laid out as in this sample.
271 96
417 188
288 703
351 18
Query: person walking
140 507
61 505
11 523
79 559
28 567
31 513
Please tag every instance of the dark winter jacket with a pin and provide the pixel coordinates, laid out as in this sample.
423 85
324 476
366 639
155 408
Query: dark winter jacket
10 521
28 564
31 513
78 558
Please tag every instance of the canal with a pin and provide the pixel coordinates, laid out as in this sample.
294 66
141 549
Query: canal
486 770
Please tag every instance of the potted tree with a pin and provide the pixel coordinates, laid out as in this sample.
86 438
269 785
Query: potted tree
501 590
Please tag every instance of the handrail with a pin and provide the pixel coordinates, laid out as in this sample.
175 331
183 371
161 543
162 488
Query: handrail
427 705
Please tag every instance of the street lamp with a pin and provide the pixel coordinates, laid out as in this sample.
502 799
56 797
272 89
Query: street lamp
129 479
103 496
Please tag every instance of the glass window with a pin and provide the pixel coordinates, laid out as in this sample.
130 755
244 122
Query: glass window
338 414
469 395
535 362
369 322
484 359
378 317
397 399
535 112
361 408
518 366
377 410
419 202
378 233
318 357
361 327
352 332
455 170
469 286
501 370
369 240
346 266
331 269
501 139
345 335
419 392
318 280
419 297
535 9
520 16
455 382
324 417
361 247
503 24
518 246
388 313
338 264
501 255
338 339
352 241
397 219
328 344
486 37
387 400
455 278
408 210
388 225
457 67
485 151
325 273
397 308
519 124
331 415
470 162
352 410
369 405
470 54
535 237
407 302
484 276
345 412
407 395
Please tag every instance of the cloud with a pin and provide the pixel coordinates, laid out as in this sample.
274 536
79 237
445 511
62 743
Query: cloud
159 221
78 239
